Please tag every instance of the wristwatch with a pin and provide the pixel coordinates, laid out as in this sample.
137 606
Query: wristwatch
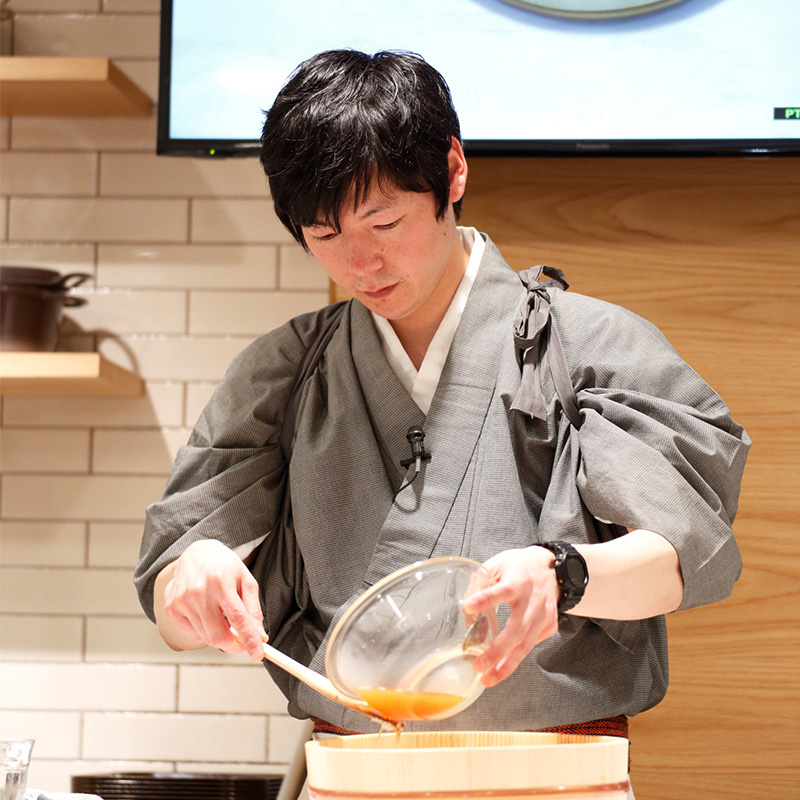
571 573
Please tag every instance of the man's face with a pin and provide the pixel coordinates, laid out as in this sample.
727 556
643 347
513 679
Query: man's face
392 252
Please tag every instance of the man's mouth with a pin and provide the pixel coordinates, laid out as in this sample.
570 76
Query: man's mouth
377 294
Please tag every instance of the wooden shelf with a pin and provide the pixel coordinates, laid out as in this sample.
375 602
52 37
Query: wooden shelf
68 87
64 374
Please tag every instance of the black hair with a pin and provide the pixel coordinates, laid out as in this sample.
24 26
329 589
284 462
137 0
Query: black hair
345 121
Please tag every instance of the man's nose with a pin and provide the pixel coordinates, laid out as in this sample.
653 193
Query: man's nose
364 256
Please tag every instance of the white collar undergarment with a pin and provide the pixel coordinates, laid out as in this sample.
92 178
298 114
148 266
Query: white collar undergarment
422 385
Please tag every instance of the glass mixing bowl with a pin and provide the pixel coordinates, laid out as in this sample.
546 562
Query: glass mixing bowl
407 647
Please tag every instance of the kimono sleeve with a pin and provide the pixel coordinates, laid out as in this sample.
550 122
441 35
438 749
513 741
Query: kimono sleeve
228 481
657 448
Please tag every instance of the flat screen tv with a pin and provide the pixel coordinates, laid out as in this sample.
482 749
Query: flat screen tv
528 77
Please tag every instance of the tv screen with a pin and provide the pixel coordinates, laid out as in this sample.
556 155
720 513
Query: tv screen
528 77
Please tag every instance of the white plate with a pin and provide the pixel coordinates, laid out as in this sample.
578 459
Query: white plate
593 9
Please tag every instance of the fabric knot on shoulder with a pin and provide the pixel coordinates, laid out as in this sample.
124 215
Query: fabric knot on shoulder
531 327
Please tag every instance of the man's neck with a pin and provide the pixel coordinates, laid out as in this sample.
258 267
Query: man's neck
416 331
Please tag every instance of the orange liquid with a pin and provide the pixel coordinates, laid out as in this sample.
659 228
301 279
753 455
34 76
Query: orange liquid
401 704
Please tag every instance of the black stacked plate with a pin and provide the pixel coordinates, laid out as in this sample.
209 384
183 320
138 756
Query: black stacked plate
178 786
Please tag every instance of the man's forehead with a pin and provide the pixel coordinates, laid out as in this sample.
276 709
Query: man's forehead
379 196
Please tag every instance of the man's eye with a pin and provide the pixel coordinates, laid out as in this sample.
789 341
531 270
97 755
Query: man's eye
323 237
388 225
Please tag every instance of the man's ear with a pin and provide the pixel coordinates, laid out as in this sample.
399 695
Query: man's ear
458 170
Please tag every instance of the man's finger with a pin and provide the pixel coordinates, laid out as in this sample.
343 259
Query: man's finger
246 631
252 602
490 597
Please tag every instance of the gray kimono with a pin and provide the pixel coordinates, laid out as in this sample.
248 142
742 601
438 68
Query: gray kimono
657 449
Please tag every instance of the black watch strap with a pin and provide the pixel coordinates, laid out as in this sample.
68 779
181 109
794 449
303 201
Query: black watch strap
571 571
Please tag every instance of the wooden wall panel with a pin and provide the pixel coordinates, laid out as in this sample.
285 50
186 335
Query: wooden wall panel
709 251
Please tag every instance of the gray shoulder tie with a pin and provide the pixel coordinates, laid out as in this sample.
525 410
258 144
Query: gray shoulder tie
533 334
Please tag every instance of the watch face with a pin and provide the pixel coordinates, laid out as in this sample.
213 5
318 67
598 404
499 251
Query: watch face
593 9
576 571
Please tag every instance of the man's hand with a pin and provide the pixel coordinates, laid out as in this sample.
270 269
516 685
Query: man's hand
524 579
205 593
636 576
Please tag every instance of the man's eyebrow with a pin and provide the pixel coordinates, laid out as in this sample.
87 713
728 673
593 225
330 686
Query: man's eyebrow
364 212
376 208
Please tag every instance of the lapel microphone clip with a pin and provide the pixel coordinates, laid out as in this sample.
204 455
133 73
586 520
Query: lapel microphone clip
416 438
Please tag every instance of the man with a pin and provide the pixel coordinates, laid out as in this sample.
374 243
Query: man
598 507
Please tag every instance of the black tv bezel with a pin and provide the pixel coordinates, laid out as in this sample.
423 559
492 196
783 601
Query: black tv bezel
655 148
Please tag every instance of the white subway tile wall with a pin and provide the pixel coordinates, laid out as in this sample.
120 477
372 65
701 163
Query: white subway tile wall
26 637
187 265
283 733
236 220
171 266
137 174
100 219
69 257
49 173
44 544
134 639
128 311
114 35
174 737
103 134
113 544
238 689
36 450
63 6
57 733
169 358
82 687
161 405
